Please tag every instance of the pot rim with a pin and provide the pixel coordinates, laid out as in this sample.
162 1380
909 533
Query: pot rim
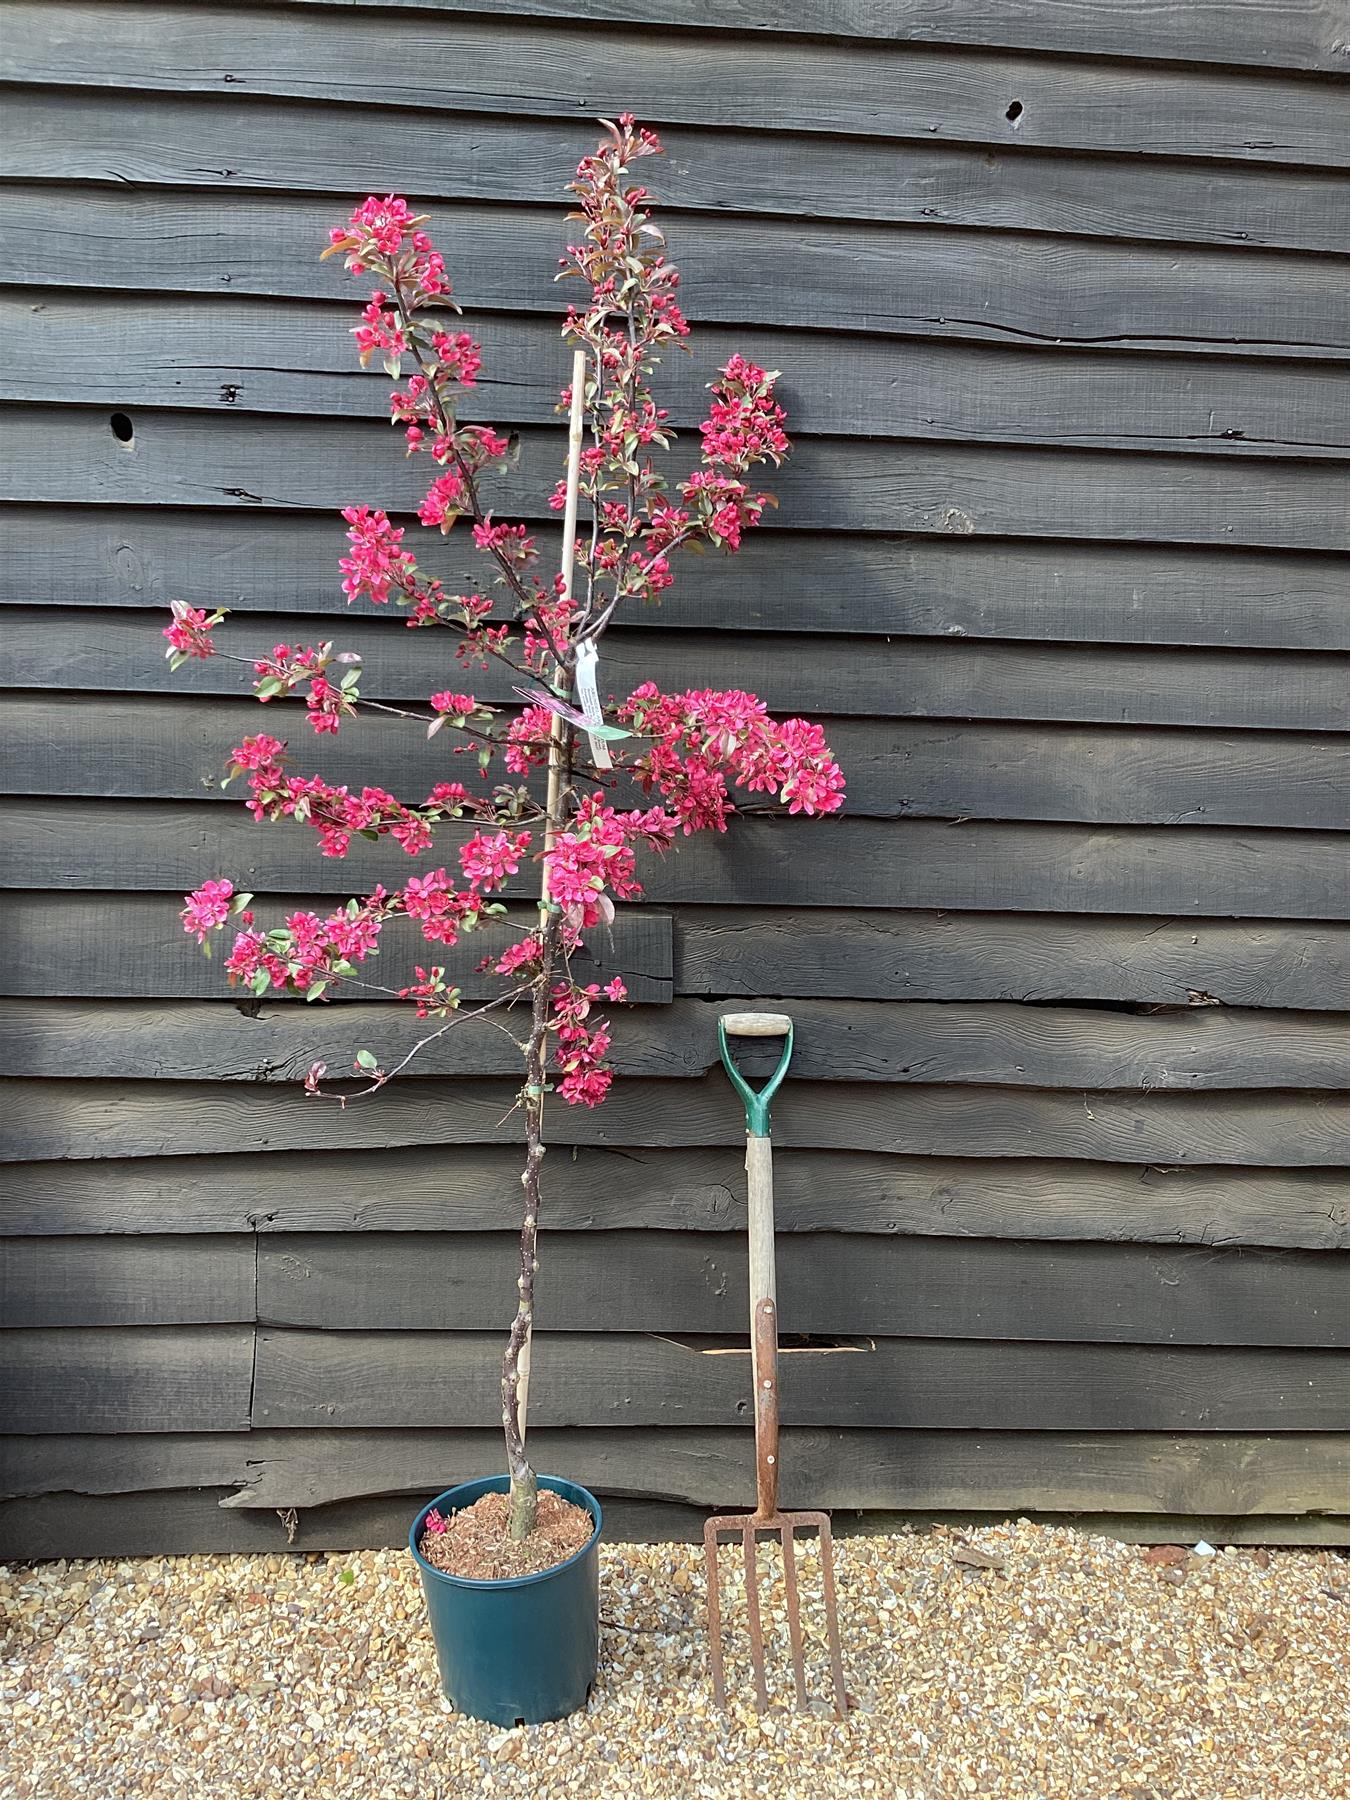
504 1581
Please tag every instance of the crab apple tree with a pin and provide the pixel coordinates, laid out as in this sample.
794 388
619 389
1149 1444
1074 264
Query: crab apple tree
560 819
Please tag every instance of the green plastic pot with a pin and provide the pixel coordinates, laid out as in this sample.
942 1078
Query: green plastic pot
517 1651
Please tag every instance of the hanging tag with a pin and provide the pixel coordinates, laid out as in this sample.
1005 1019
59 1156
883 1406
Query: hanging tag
588 661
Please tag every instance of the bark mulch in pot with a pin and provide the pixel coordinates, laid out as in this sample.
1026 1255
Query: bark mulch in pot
474 1544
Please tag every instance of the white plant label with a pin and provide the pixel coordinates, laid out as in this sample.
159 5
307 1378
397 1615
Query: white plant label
588 663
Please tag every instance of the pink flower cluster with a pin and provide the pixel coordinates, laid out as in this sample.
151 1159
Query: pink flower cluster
383 234
705 738
307 954
189 632
377 561
583 1042
206 908
335 813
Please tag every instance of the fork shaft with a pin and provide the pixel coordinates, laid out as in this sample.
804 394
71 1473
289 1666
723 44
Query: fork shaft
765 1363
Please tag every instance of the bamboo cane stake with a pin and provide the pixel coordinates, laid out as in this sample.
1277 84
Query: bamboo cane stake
575 429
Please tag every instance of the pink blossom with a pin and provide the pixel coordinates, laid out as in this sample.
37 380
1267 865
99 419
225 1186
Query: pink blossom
189 634
461 704
441 506
489 860
460 358
206 908
377 561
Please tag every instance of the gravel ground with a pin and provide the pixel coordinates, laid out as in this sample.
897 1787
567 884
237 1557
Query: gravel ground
1077 1667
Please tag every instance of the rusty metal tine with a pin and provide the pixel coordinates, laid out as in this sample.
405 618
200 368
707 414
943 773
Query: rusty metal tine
832 1619
752 1619
794 1615
714 1615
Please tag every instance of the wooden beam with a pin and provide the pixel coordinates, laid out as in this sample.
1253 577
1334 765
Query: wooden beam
79 845
234 356
1276 34
54 649
596 1189
134 1379
176 748
1288 1474
329 1379
1104 595
990 287
79 1119
180 459
838 1284
1187 1050
55 944
186 1521
128 1281
536 67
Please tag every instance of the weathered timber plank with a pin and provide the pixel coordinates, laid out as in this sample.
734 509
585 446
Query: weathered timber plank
183 460
638 947
1144 1472
530 67
52 649
1278 34
180 1522
416 1189
158 845
992 287
237 357
1188 1049
76 1281
81 1119
828 1283
56 944
176 749
319 1379
937 585
917 956
132 1379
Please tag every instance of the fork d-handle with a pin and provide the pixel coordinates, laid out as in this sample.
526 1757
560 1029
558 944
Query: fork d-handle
759 1196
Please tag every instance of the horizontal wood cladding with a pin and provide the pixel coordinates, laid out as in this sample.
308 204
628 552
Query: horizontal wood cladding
1222 1475
134 747
1084 596
127 1281
516 66
307 1380
113 1119
197 1378
599 1189
694 1282
1188 1049
120 651
1281 34
186 1520
51 947
933 281
639 948
182 459
842 1284
235 357
145 845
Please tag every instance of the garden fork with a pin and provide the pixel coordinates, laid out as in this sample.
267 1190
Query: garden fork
766 1518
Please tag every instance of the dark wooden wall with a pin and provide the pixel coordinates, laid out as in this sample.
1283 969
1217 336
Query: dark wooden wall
1060 298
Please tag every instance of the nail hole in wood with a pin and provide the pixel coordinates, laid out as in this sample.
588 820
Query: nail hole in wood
1014 112
122 428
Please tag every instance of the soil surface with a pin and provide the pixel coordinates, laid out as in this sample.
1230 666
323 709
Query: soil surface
475 1543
